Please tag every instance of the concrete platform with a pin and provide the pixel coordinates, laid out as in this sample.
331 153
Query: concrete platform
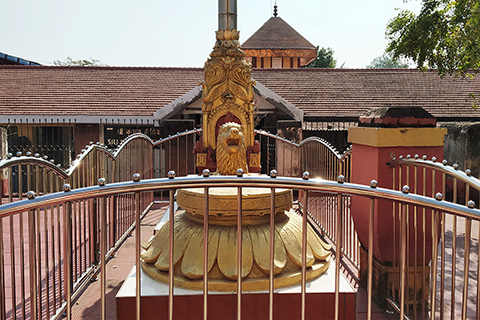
188 304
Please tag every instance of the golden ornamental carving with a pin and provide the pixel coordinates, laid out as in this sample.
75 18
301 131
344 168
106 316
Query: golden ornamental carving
231 149
228 81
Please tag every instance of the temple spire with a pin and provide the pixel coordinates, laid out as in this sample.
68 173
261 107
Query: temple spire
275 9
227 14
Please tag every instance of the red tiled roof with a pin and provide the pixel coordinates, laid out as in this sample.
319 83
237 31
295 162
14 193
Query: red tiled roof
349 93
320 93
277 34
92 90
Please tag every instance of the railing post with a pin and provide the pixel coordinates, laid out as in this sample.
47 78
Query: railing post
2 271
171 175
206 174
338 249
32 263
136 178
68 281
239 248
103 250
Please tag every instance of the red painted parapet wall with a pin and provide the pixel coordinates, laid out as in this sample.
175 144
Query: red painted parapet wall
372 146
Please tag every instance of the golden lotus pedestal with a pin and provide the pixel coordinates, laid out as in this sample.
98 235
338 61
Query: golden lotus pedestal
222 262
222 242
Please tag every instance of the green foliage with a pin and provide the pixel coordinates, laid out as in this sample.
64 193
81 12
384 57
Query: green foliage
445 35
324 59
81 63
387 61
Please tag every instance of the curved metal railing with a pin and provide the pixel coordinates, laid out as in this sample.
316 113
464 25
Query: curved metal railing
426 177
34 209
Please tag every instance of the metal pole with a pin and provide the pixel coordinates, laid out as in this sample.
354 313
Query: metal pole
370 258
32 263
68 257
338 255
205 254
103 253
239 254
272 254
171 262
137 254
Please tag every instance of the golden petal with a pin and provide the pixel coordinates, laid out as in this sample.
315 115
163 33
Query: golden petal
227 252
192 262
182 235
260 235
292 237
317 245
159 241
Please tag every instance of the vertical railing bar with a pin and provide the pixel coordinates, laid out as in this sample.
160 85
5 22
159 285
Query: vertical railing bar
403 235
137 255
239 253
424 244
454 251
370 258
103 253
394 219
271 283
22 262
32 264
442 254
478 280
338 256
466 269
170 250
436 218
47 265
407 247
205 253
2 269
304 251
415 228
68 257
52 245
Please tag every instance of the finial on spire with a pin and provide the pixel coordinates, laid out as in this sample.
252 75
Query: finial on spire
275 9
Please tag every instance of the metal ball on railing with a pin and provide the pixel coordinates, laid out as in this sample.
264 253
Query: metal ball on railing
468 172
45 158
273 173
90 143
439 196
37 155
434 159
52 161
59 165
28 154
373 184
83 150
341 179
240 173
66 187
102 182
400 157
31 195
206 173
408 156
424 157
444 162
455 166
306 175
171 174
136 177
9 155
406 189
471 204
416 156
19 154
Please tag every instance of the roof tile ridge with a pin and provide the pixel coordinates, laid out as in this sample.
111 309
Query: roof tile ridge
100 67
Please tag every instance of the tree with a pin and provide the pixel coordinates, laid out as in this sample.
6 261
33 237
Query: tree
81 63
324 59
445 35
387 61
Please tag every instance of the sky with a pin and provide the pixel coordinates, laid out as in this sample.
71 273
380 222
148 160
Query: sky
181 33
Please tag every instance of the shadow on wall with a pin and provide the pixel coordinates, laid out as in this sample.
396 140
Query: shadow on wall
462 145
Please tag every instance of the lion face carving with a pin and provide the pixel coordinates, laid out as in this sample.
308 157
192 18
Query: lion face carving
231 149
